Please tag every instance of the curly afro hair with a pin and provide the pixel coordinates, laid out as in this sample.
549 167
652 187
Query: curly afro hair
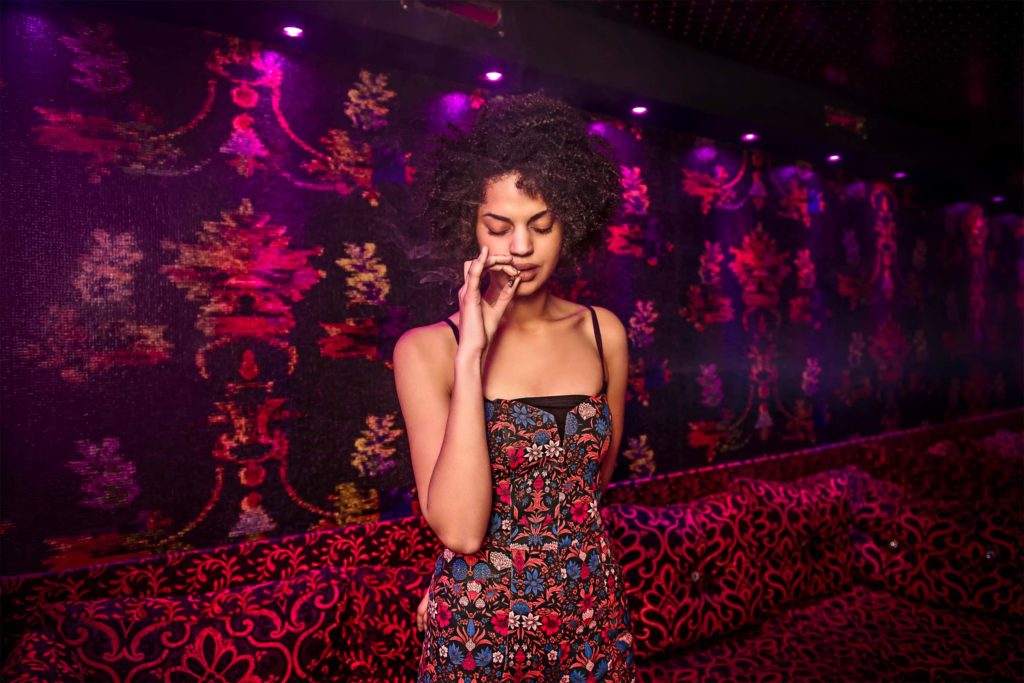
543 140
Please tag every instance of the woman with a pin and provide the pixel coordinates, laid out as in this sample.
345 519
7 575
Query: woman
526 588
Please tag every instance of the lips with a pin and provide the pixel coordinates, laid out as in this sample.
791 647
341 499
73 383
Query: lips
527 271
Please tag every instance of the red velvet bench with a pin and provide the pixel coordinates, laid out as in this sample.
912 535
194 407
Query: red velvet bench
889 558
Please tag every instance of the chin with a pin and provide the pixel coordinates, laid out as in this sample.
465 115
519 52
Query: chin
534 286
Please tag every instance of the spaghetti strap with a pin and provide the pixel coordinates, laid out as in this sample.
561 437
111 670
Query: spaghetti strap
455 328
600 349
597 336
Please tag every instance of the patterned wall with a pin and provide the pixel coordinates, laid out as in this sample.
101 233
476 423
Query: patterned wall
209 252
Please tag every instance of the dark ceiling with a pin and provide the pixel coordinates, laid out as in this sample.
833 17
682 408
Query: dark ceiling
940 82
957 65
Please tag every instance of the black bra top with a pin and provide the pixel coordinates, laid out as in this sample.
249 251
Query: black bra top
558 401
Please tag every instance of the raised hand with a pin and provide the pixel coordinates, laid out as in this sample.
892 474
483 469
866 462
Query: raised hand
478 319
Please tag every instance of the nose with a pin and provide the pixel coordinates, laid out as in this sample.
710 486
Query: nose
522 242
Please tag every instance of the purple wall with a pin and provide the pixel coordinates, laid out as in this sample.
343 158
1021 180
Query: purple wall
209 253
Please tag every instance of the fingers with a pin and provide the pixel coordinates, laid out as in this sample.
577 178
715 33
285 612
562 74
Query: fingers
506 295
472 269
494 262
499 262
421 612
476 266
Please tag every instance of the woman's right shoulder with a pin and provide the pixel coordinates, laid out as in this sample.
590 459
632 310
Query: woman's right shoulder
430 339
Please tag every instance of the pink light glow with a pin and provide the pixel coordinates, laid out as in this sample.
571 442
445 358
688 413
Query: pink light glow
493 76
899 175
705 153
998 198
639 110
292 31
749 137
834 158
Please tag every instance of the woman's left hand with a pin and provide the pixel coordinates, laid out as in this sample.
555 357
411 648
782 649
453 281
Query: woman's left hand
421 611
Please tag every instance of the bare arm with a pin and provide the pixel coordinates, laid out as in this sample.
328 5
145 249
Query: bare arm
448 434
447 437
616 354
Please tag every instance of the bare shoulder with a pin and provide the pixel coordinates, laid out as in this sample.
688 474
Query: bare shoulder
432 344
613 332
430 333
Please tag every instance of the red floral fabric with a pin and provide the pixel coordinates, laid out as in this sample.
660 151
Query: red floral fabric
688 568
801 532
273 631
378 641
858 635
942 602
940 552
543 598
404 542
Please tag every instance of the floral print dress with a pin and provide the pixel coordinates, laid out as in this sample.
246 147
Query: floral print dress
542 599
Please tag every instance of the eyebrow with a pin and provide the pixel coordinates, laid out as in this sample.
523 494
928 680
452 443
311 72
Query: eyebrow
509 220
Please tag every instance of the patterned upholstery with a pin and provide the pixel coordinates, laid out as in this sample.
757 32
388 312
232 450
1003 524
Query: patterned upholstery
940 552
406 542
328 624
801 532
747 582
378 636
860 635
248 634
688 569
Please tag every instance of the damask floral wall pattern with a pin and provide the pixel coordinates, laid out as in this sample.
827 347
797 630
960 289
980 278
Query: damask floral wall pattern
211 249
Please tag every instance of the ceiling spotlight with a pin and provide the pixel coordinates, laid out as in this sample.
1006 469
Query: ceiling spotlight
834 158
639 109
493 76
749 137
292 31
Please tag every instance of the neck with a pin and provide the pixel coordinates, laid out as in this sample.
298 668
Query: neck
526 311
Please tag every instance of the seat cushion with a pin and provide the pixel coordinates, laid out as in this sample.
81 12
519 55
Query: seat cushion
948 553
863 634
40 656
403 542
378 637
286 629
943 553
801 534
687 571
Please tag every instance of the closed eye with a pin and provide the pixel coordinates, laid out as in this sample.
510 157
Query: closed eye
542 231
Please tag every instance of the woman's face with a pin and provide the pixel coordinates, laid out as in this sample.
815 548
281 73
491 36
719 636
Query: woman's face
511 222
